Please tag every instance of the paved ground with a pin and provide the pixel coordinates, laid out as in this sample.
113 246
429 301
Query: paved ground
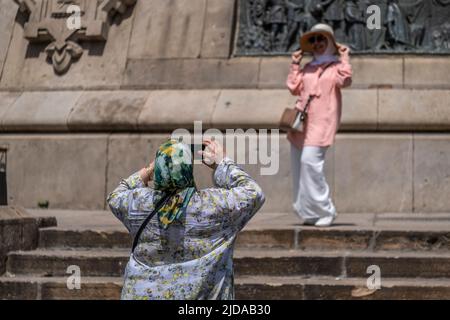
104 220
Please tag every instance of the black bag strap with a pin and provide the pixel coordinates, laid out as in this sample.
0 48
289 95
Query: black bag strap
310 98
158 206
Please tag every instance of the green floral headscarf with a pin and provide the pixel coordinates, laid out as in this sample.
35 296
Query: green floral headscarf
174 173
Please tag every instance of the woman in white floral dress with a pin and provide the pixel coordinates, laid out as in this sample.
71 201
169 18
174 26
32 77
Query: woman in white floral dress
185 251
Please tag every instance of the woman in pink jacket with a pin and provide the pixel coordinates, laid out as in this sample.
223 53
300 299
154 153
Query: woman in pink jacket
322 79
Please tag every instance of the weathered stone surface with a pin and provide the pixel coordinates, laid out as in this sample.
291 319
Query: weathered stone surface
412 232
377 71
54 263
98 290
167 29
411 289
66 170
251 108
46 222
368 72
107 110
322 291
269 239
18 290
331 265
317 239
359 110
268 291
57 238
274 72
297 264
13 62
399 266
29 235
111 263
191 73
11 235
414 110
373 173
18 231
102 64
7 14
46 111
45 23
431 173
7 99
164 108
412 240
379 182
427 72
3 257
128 154
247 288
218 29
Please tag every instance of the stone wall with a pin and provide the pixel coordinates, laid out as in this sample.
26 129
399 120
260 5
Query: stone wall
185 44
401 172
168 63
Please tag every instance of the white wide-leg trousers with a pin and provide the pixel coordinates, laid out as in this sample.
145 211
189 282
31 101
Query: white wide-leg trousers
312 199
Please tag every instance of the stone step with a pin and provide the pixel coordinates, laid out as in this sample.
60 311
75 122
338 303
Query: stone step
341 263
64 238
49 263
331 288
247 262
304 238
259 288
55 288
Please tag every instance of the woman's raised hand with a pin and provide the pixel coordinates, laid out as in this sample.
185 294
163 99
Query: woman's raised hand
343 50
147 173
213 153
297 56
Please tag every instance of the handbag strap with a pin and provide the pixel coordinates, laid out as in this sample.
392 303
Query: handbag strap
158 206
310 98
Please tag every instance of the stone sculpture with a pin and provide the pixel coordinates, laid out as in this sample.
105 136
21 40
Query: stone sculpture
268 27
47 22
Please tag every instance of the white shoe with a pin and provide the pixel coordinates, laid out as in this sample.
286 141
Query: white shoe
325 222
310 222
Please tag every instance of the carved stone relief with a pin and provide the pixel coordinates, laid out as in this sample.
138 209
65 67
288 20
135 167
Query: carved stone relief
47 22
268 27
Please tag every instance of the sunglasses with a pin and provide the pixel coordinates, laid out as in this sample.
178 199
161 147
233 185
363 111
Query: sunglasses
314 39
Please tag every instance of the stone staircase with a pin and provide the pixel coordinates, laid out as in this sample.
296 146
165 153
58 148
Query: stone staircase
275 258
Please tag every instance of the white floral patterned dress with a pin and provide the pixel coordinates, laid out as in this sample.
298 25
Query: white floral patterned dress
192 259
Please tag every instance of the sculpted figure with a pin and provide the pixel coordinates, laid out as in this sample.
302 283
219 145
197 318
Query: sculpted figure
397 27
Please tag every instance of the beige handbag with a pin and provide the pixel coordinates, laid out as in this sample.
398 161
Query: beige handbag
293 119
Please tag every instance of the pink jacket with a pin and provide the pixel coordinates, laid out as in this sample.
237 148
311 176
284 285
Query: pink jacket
325 110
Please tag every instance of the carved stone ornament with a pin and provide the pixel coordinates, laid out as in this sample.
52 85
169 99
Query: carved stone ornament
272 27
49 21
